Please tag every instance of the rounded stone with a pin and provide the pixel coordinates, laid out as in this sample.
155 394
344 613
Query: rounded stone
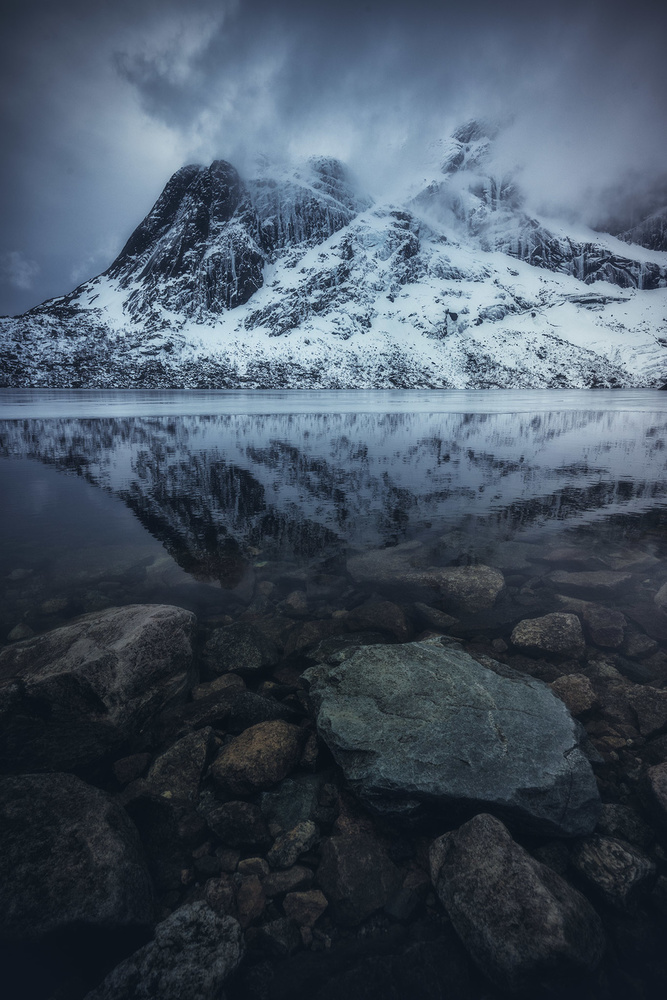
259 758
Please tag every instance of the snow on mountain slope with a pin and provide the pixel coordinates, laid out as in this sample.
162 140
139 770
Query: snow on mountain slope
293 279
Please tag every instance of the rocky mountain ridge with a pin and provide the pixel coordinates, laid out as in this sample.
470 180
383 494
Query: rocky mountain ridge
294 279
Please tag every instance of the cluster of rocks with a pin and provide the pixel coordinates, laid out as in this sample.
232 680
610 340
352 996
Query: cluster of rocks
411 780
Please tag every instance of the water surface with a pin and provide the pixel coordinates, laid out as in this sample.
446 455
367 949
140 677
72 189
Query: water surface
211 500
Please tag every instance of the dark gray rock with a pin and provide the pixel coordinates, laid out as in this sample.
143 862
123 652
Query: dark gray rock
470 588
70 857
519 920
618 871
605 626
290 845
603 581
423 724
192 954
654 791
238 648
72 696
554 633
302 797
238 824
356 875
177 773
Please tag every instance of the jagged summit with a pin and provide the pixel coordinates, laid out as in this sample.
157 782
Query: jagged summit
293 277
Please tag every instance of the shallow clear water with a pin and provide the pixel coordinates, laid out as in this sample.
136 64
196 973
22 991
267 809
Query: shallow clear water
201 499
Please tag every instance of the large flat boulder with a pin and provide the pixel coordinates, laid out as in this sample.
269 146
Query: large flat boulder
71 858
425 725
521 922
74 695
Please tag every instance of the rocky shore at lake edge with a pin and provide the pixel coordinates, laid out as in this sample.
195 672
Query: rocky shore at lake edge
389 778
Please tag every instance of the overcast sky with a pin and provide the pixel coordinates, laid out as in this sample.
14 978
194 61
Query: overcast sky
103 99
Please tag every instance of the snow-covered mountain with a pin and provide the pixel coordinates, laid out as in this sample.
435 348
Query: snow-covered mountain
296 279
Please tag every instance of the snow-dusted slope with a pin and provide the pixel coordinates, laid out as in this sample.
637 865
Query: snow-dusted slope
294 279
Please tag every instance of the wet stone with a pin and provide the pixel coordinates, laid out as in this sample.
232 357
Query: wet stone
576 692
470 588
661 597
19 632
356 875
616 869
289 846
104 677
192 954
602 581
259 758
295 604
278 938
433 618
383 616
485 737
554 633
226 682
519 920
130 768
294 800
238 824
650 707
179 769
70 858
238 648
623 822
250 900
654 789
293 880
604 626
253 866
305 908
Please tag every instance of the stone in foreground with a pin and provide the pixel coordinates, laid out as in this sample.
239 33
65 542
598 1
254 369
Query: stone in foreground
71 697
521 922
421 725
71 858
192 954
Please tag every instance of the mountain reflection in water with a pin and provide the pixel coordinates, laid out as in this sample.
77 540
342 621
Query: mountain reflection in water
224 491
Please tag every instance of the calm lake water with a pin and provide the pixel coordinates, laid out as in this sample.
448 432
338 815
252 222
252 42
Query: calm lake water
215 500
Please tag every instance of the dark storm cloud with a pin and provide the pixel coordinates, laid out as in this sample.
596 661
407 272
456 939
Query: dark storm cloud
103 101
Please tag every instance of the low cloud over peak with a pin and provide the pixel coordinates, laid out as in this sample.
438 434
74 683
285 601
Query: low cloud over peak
105 102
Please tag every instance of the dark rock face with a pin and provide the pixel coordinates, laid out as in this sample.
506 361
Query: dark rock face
650 233
520 921
422 725
202 248
192 954
72 696
70 858
618 871
195 251
306 210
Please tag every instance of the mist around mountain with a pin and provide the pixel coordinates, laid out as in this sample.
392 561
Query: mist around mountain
295 278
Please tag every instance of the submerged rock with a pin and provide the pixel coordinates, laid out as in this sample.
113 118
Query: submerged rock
519 920
71 858
424 725
469 588
617 870
192 954
72 696
554 633
259 758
